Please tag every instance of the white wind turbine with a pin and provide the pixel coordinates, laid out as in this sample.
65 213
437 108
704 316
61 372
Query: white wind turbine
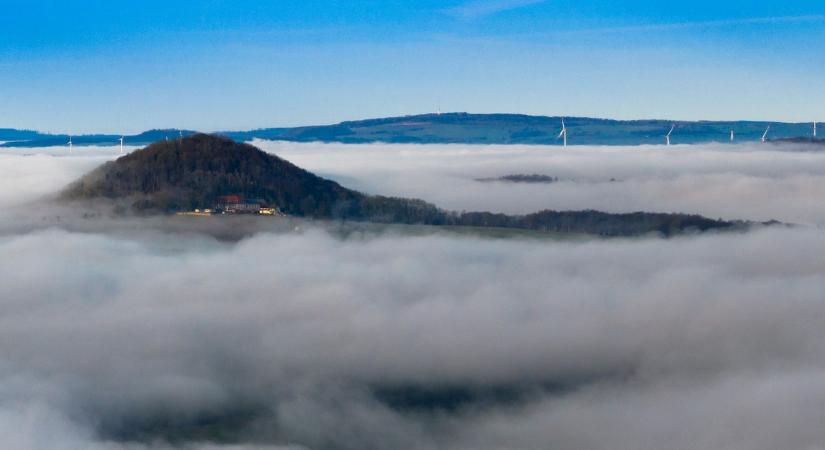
669 133
70 145
732 136
563 133
121 145
765 135
814 130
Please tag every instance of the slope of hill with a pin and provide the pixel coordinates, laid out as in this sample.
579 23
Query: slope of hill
11 134
194 172
35 139
463 128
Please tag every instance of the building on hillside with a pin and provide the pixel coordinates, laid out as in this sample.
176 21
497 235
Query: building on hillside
237 204
229 199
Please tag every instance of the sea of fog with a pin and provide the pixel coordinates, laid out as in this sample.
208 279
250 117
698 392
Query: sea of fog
754 182
299 338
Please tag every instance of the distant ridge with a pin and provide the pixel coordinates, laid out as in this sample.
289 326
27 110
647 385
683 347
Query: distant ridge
194 172
465 128
35 139
10 134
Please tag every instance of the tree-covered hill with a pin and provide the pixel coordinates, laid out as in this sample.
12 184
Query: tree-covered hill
189 173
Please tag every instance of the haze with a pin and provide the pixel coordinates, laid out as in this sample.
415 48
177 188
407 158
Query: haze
128 335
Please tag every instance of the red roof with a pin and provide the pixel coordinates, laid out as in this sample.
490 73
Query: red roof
230 199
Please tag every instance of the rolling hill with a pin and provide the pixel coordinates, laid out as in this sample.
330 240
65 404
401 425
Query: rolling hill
31 139
463 128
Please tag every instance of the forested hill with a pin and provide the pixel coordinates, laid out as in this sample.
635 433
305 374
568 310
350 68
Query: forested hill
193 172
463 128
189 173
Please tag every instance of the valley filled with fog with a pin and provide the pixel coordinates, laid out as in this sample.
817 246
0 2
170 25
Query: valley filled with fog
748 181
137 334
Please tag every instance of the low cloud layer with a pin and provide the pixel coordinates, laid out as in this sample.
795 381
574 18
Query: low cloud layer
26 178
749 182
134 335
290 339
753 182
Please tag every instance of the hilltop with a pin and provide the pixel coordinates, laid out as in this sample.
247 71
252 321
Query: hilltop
189 173
195 171
464 128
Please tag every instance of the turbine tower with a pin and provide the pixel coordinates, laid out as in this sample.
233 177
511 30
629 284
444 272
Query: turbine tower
814 130
732 136
765 136
563 133
121 145
70 145
669 133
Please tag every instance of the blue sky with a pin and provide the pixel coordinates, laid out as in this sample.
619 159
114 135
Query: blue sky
124 66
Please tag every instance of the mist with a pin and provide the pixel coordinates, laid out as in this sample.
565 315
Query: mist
133 334
746 181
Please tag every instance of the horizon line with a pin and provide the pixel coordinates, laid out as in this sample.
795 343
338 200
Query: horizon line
556 116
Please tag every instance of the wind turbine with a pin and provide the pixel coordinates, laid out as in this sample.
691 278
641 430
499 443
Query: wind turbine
70 145
732 136
814 130
765 136
121 145
669 133
180 132
563 133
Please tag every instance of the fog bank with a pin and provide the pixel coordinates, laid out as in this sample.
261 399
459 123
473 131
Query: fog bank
291 338
748 181
145 334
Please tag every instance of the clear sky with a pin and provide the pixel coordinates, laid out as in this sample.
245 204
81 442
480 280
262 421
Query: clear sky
124 66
